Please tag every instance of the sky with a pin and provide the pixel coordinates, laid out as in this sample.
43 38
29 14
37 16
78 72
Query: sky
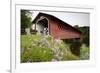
72 18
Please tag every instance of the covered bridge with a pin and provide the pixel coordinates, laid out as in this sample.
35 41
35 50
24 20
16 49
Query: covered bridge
54 27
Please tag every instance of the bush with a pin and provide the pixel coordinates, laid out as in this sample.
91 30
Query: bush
37 48
36 55
41 54
75 47
25 56
84 52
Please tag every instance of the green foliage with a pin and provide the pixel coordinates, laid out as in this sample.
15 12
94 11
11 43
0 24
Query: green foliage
75 47
41 54
35 49
38 48
25 20
71 56
85 35
36 54
84 52
27 40
25 56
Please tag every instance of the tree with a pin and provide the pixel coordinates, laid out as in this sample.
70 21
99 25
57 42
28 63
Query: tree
85 34
25 20
76 26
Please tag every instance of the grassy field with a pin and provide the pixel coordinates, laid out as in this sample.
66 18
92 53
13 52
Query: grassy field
37 48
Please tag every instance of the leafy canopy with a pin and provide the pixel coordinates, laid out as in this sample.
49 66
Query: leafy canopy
25 19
